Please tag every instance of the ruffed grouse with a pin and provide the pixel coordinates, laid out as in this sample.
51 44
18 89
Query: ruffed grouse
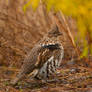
44 58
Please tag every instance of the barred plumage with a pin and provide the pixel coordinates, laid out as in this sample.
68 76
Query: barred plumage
45 57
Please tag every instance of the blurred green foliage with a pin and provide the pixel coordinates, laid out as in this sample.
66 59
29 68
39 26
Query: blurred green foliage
81 10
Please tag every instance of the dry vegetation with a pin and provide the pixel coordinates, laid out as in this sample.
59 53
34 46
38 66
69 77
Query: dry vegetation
19 32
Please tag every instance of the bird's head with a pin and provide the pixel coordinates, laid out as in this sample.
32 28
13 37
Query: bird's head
54 32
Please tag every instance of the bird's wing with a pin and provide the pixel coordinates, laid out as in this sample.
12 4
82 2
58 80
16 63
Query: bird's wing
28 65
45 53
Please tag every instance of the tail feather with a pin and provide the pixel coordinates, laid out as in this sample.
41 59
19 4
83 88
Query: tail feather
18 78
24 71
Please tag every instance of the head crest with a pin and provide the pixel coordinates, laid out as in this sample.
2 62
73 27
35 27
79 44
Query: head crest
54 31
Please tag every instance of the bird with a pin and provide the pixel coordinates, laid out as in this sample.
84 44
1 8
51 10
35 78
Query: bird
44 58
